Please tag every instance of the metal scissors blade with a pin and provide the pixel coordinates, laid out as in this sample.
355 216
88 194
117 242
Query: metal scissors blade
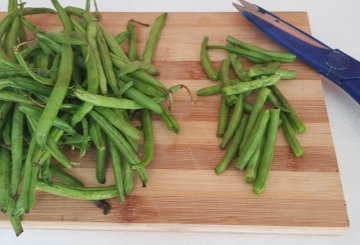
332 63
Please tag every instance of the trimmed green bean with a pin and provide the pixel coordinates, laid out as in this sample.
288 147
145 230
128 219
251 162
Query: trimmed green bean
211 90
249 86
147 128
238 67
206 63
233 121
268 152
263 69
254 140
122 37
290 136
275 55
223 117
234 145
169 120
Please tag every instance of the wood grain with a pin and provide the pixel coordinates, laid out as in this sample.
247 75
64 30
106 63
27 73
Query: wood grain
303 195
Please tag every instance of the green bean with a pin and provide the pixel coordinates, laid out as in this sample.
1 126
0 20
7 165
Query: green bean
64 17
248 54
57 48
78 27
223 117
268 151
16 149
132 40
117 170
15 97
105 101
122 37
278 56
11 38
113 45
29 168
263 70
33 28
238 67
259 105
86 142
12 6
81 112
206 63
154 37
169 120
252 166
147 127
252 85
116 137
286 74
107 63
40 79
6 132
234 145
254 140
5 173
211 90
5 108
57 96
128 177
93 45
290 136
233 122
63 38
63 177
81 193
100 165
52 147
118 121
295 121
139 75
147 89
143 100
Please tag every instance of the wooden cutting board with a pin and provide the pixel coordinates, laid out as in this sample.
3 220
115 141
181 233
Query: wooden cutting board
183 194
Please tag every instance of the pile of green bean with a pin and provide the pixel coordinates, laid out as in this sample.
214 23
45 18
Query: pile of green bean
78 88
249 129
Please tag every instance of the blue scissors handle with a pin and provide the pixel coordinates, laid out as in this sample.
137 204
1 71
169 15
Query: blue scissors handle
332 63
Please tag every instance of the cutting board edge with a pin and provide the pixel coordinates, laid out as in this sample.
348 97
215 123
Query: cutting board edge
188 228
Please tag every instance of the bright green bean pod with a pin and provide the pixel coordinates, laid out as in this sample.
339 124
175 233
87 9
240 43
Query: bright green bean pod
80 193
169 120
154 37
128 177
132 41
85 136
268 152
206 63
17 143
57 96
255 137
295 121
56 47
263 69
105 101
117 170
251 85
147 128
100 165
248 54
11 38
223 117
286 74
252 166
234 145
275 55
258 107
107 63
5 173
63 38
233 121
122 37
117 138
118 121
211 90
290 136
238 67
15 97
64 17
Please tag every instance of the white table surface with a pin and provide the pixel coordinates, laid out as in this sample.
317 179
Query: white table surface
336 23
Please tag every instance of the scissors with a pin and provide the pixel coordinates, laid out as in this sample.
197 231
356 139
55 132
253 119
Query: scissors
334 64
